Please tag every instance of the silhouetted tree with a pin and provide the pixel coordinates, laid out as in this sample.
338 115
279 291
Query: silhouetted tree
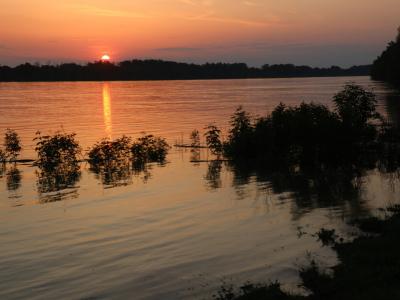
387 66
213 139
12 144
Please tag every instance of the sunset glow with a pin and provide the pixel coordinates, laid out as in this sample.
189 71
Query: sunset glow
313 32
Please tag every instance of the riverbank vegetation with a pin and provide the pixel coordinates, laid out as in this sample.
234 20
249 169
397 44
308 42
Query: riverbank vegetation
387 66
368 268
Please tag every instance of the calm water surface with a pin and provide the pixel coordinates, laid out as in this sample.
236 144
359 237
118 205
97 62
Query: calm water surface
172 231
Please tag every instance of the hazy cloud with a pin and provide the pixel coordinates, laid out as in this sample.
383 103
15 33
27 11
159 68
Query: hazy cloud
178 49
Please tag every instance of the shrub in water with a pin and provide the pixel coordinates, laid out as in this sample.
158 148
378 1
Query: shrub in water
12 144
356 108
60 149
150 148
107 151
195 139
308 133
213 139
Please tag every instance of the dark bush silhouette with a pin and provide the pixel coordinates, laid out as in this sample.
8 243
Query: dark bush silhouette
110 161
59 150
213 139
195 139
12 144
308 133
149 148
107 151
58 163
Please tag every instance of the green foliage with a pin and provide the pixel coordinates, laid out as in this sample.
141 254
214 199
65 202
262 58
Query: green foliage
150 148
213 139
107 151
58 150
12 144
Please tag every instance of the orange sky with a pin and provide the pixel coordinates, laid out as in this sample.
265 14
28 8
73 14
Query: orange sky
316 32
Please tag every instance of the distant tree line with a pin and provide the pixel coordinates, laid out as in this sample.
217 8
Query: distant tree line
387 66
165 70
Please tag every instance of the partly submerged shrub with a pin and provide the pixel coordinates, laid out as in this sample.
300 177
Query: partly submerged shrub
195 139
12 144
150 148
213 139
107 151
356 109
308 133
58 150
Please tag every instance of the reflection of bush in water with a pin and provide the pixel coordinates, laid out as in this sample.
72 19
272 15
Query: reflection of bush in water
14 177
313 187
61 181
213 175
113 173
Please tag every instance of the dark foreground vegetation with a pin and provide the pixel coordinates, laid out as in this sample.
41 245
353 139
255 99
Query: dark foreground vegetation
59 158
387 66
165 70
369 267
311 135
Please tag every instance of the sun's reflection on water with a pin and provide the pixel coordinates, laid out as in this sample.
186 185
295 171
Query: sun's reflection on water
107 110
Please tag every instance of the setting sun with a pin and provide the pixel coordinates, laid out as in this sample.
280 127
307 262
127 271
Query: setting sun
105 57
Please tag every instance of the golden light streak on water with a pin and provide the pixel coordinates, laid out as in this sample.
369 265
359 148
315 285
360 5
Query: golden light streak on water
107 110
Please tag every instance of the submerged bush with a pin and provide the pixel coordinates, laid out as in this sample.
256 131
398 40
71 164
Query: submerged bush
308 133
58 150
356 109
12 144
107 151
195 139
150 148
213 139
